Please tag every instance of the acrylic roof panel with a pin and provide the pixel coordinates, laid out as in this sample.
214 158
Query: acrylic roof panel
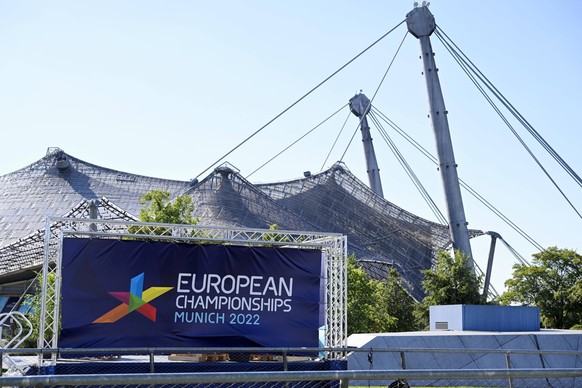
28 196
19 259
378 232
225 198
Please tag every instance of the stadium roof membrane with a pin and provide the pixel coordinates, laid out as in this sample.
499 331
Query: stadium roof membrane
379 233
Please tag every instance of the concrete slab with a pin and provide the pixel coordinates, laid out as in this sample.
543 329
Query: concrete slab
382 351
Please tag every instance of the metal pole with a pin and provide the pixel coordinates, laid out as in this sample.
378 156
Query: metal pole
285 365
508 363
93 213
403 362
494 237
360 106
421 24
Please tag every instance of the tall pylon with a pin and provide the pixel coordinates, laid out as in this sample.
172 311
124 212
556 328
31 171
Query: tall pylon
421 24
360 106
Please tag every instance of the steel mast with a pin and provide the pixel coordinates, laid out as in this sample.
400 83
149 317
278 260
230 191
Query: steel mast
360 106
421 24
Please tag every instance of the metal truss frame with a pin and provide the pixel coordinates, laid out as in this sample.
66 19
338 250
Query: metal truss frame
332 245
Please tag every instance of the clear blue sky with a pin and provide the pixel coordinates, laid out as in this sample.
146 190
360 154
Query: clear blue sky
165 88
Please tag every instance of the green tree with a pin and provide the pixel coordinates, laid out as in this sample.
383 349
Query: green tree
377 305
359 300
451 280
397 302
160 209
553 282
34 315
274 236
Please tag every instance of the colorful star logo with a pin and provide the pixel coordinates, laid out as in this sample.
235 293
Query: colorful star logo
135 300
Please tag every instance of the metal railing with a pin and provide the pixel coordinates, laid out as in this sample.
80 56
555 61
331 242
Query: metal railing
285 367
498 367
314 378
15 328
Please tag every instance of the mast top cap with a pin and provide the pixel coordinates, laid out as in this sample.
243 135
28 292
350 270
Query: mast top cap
420 21
360 104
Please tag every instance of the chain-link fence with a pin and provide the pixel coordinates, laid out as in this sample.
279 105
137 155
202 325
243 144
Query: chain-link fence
268 367
315 379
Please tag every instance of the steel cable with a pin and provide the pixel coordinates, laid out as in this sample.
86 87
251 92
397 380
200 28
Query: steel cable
409 171
510 107
299 100
469 67
375 93
296 141
466 186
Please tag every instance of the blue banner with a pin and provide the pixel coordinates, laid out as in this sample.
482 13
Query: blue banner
124 293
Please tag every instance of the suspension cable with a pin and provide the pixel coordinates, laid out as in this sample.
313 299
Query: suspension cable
296 141
350 142
406 136
466 68
426 196
466 186
515 253
511 108
335 141
299 100
375 93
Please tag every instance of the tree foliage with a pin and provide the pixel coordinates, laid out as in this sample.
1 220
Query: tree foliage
377 306
359 300
34 315
160 209
398 302
451 280
553 283
276 237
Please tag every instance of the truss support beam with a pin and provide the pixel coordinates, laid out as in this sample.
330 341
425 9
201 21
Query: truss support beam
421 24
332 245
